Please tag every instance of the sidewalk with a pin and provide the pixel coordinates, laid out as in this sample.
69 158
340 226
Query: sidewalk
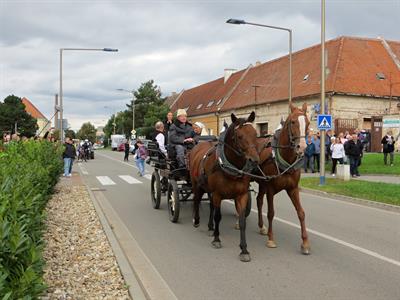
373 178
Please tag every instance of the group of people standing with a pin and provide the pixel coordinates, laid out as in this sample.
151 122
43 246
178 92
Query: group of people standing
343 148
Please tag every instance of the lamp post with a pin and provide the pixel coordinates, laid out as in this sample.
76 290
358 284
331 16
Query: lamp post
240 22
133 107
61 77
114 124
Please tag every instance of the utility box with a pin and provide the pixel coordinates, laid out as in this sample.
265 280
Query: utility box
343 172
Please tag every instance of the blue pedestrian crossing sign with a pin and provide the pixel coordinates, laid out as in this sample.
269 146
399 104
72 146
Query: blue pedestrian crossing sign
324 122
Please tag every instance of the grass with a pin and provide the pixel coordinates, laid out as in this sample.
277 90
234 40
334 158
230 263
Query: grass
374 191
372 163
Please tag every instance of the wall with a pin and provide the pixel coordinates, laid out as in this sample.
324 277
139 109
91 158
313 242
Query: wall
209 121
41 124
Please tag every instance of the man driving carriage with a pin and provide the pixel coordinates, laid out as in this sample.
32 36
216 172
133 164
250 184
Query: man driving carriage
181 136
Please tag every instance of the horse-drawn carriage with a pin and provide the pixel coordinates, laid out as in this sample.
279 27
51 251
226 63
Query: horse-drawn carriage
224 168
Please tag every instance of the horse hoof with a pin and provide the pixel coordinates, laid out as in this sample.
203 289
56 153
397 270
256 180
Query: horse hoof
244 257
305 250
237 227
263 231
216 244
196 224
271 244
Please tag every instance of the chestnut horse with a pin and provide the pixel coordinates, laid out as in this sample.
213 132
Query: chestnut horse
218 169
285 170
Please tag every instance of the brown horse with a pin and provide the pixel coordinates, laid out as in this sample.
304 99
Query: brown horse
288 150
218 169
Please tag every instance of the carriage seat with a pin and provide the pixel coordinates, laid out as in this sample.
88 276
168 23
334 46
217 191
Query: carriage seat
155 154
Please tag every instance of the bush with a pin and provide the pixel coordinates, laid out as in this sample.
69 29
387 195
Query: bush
28 173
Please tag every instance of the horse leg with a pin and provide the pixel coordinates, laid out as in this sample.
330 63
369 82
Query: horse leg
295 197
211 217
260 200
216 200
271 213
241 209
198 194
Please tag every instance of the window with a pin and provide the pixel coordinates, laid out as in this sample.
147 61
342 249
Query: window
380 76
218 102
210 103
186 108
263 127
199 106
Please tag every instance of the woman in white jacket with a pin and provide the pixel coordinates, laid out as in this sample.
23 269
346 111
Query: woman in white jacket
338 154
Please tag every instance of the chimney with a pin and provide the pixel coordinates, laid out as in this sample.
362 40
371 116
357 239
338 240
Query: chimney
228 73
258 63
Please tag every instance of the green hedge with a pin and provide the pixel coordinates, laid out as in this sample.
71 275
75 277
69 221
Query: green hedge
28 172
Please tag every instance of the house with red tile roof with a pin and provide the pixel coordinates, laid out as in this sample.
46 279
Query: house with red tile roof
362 76
42 121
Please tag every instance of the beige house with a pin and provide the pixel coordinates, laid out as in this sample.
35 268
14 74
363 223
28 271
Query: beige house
43 124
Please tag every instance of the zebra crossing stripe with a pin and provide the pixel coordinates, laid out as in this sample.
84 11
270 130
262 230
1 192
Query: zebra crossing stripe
148 176
105 180
129 179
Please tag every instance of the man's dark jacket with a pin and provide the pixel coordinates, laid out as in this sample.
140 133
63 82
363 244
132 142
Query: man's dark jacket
353 149
69 151
178 132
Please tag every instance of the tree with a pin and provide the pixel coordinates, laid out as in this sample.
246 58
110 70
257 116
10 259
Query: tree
70 133
147 94
87 131
13 114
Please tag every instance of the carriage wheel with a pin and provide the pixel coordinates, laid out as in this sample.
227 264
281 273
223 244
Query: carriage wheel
155 190
248 206
173 201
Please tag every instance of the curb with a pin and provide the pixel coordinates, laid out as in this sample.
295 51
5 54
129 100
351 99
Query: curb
134 288
365 202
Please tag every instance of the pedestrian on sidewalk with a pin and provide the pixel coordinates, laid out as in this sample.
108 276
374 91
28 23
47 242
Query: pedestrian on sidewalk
317 144
68 154
353 150
337 150
126 149
308 155
388 147
140 157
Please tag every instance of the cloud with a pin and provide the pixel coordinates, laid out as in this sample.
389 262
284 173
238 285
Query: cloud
179 44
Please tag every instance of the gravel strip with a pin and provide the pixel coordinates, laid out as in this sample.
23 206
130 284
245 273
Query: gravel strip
80 263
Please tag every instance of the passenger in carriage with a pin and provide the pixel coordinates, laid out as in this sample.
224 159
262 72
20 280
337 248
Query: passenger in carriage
159 137
181 136
198 129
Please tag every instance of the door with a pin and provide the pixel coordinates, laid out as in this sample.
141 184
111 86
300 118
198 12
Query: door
376 134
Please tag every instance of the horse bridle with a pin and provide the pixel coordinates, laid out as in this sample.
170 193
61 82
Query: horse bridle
239 152
293 144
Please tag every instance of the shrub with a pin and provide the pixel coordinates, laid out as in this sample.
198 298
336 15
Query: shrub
28 172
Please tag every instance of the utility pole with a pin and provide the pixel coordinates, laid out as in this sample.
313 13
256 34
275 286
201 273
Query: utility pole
323 134
56 110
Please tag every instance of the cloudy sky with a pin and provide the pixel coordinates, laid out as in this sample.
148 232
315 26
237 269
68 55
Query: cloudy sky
179 44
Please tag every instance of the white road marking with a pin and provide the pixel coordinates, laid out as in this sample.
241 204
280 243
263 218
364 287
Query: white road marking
147 176
83 170
105 180
336 240
129 179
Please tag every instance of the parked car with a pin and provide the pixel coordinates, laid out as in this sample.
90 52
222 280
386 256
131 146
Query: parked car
121 147
116 141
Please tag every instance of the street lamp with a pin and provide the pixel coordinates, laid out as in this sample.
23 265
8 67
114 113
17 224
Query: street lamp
323 75
61 87
133 107
241 22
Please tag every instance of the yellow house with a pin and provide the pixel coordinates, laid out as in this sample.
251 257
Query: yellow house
43 124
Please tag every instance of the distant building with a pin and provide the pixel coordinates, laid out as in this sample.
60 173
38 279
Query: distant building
43 123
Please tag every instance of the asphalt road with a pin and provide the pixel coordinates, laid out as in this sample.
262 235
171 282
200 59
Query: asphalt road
355 248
